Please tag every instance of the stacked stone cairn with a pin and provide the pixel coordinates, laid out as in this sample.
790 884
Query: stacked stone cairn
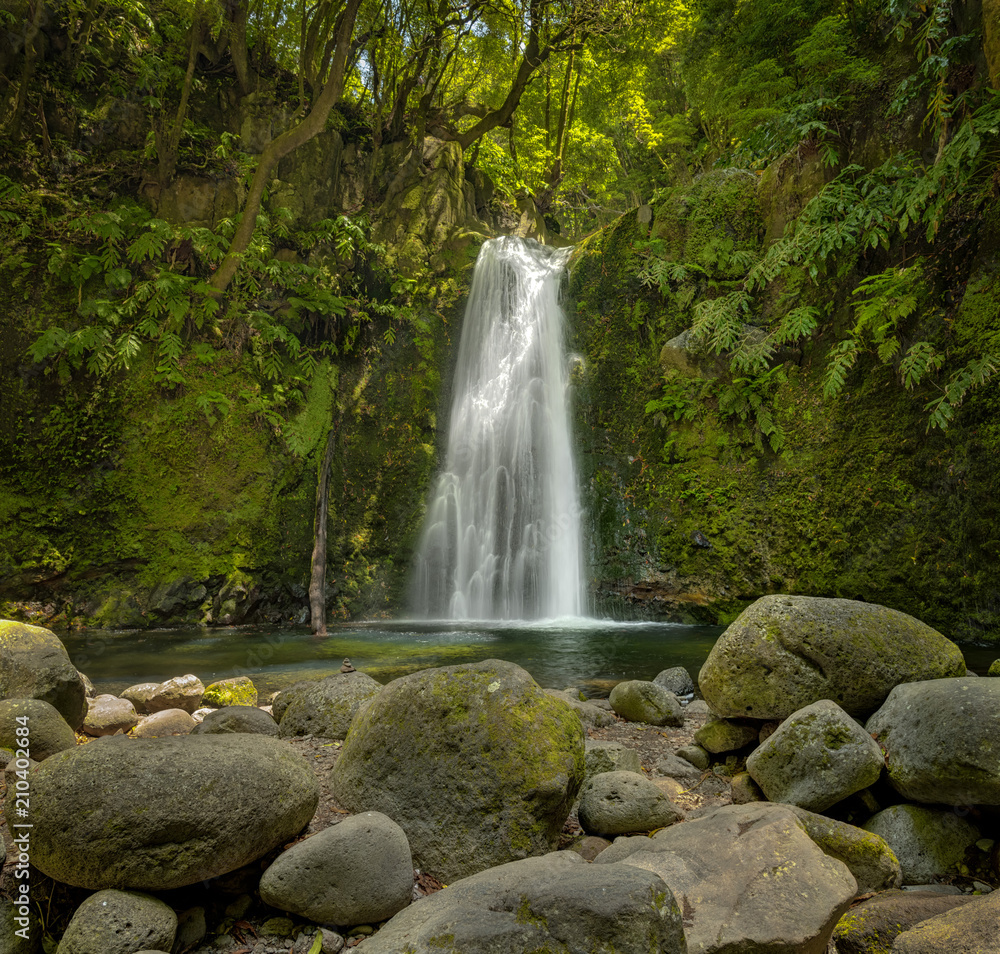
851 757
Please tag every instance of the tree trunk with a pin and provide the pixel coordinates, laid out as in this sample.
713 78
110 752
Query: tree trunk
27 72
311 125
317 578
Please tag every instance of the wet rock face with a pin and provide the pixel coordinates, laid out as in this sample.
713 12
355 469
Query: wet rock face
476 763
786 652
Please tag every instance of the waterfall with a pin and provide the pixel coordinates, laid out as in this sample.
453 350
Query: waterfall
501 538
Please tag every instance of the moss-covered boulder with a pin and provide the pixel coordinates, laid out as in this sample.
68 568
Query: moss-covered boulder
942 740
154 814
725 735
930 843
239 691
786 652
557 904
120 922
968 929
816 757
43 731
872 926
476 763
867 856
640 701
994 669
327 708
34 664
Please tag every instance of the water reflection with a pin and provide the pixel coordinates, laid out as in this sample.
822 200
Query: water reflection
591 654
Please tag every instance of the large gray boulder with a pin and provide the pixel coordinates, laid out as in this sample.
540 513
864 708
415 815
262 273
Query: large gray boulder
47 731
867 856
816 758
786 652
942 740
929 842
119 922
641 701
34 664
973 928
617 803
476 763
356 872
748 879
108 714
155 814
327 708
873 925
241 719
556 903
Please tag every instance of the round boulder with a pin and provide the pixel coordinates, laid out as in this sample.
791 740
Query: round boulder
554 903
161 724
476 763
816 757
34 664
108 715
182 692
238 691
356 872
155 814
676 680
942 740
119 922
928 842
327 708
140 694
641 701
236 719
47 731
786 652
616 803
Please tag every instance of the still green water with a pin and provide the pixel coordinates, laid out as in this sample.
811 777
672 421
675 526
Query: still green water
590 654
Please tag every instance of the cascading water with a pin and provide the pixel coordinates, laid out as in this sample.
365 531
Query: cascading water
502 534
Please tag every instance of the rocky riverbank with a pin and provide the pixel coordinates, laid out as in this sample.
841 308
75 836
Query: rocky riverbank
840 752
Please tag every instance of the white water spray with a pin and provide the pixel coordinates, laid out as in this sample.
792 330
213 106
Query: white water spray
502 534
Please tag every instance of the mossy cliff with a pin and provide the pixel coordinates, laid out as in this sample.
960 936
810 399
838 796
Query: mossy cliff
693 513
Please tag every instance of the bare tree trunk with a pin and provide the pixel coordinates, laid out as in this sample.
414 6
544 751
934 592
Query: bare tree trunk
311 125
317 578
